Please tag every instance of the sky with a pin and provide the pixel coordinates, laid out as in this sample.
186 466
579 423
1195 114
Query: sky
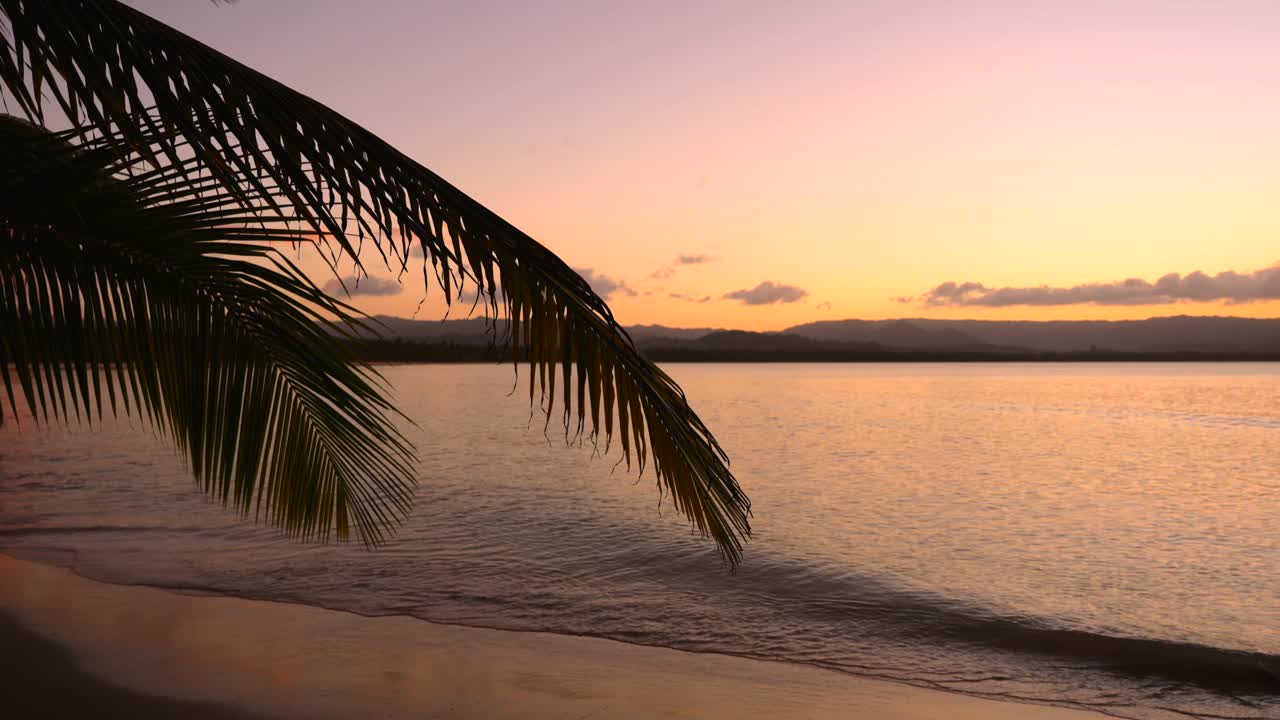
760 165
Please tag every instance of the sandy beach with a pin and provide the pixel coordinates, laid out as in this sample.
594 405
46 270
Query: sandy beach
76 646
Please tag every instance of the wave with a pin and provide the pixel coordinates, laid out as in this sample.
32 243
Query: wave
811 611
1213 668
1248 679
834 597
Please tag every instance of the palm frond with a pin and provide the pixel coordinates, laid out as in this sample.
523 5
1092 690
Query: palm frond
126 289
174 101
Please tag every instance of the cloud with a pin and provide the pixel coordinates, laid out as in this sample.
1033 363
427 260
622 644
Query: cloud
604 285
693 259
667 271
691 298
767 293
1195 287
469 295
369 286
825 305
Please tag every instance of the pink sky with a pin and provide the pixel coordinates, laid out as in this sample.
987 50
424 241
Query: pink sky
859 152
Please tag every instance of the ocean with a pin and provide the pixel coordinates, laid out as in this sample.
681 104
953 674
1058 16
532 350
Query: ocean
1095 536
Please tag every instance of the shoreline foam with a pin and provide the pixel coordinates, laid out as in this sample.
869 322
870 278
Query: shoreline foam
237 658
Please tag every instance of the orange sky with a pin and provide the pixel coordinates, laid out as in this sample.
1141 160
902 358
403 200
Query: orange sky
860 152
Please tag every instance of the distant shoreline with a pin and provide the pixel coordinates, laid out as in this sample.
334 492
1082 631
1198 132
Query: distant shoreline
1167 339
402 351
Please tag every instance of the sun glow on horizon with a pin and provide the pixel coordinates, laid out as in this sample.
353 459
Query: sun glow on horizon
822 163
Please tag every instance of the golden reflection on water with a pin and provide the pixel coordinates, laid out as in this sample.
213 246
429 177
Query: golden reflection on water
912 521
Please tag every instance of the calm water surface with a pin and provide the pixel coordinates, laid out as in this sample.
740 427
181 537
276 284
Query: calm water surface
1096 536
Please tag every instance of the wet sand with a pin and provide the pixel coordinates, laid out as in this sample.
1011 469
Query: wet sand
76 648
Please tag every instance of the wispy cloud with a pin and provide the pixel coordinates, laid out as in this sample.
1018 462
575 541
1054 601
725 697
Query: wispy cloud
691 298
1232 287
768 293
604 285
667 271
693 259
824 305
469 295
368 286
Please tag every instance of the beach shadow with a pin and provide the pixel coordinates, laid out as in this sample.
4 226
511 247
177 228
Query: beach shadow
39 678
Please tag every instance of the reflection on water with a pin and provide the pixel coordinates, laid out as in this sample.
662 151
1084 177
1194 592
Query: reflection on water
1091 535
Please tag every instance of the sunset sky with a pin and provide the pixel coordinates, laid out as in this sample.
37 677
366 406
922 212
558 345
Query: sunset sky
790 162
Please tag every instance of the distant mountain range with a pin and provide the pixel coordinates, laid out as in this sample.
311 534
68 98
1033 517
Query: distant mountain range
1181 334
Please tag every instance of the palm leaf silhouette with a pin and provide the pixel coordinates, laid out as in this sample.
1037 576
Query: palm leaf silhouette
279 165
129 289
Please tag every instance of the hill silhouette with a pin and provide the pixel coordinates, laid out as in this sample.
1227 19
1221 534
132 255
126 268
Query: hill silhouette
1182 337
1183 333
